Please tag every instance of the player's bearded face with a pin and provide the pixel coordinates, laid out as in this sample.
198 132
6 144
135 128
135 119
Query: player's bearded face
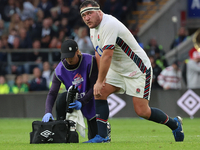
91 18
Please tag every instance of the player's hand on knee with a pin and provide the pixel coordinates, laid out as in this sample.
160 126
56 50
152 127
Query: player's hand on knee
76 105
97 89
47 117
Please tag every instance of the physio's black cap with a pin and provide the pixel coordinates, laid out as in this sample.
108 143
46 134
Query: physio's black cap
68 49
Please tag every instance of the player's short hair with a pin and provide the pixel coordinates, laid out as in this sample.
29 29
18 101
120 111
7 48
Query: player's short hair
89 2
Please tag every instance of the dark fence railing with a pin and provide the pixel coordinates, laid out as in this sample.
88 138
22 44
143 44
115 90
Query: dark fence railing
9 62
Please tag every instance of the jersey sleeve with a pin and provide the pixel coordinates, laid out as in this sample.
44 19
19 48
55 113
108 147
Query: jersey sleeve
109 35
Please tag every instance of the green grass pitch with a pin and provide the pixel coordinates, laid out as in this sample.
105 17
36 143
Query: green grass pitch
126 133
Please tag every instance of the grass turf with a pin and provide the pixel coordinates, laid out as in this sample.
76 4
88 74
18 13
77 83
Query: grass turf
126 133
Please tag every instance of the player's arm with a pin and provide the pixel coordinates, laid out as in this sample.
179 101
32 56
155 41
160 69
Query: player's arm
97 58
104 65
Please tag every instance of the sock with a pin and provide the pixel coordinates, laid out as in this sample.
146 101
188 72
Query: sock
159 116
102 114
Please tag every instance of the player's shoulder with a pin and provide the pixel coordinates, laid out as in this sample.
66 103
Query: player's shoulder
109 21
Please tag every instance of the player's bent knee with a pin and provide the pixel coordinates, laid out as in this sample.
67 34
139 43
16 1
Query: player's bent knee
143 113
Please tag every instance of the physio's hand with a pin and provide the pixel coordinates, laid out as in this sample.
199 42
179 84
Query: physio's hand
47 117
76 105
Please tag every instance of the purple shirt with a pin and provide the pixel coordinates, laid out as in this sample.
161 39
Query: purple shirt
83 75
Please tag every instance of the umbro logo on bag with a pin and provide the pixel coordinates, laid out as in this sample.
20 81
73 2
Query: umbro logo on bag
46 133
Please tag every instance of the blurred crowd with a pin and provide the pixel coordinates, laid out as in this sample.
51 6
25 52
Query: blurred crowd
178 75
45 24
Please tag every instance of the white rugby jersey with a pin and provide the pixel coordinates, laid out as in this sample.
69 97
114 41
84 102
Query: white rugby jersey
170 78
129 59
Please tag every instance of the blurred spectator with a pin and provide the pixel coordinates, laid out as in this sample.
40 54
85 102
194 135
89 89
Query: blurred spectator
83 41
25 9
5 41
34 2
134 29
160 60
58 5
25 79
127 7
4 87
16 43
50 21
8 11
74 33
156 71
39 17
25 40
75 4
18 86
55 17
61 36
71 14
17 57
33 28
36 57
45 6
3 59
3 3
193 71
55 43
15 23
184 68
27 23
64 26
46 33
153 46
114 8
38 83
182 36
12 34
3 30
46 72
170 77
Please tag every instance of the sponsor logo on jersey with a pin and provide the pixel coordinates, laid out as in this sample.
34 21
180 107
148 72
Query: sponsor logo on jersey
99 50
